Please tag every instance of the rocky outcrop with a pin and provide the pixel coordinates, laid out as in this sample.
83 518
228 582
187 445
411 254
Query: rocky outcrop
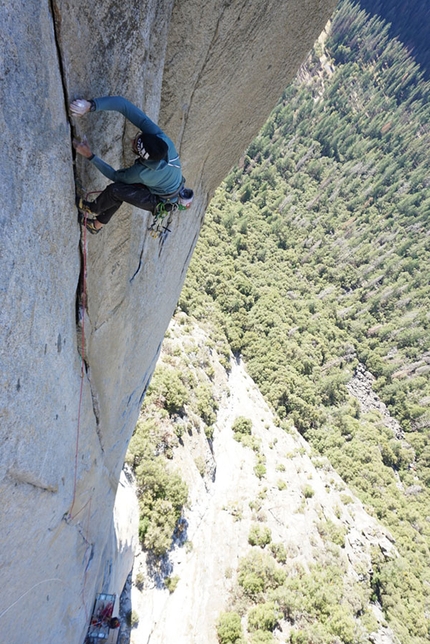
360 386
215 70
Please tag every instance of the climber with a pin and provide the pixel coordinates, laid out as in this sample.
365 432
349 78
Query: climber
114 623
154 178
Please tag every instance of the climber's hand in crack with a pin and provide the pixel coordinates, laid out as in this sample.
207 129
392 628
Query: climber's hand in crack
79 107
82 147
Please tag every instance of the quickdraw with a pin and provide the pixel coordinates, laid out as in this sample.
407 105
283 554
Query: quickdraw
162 219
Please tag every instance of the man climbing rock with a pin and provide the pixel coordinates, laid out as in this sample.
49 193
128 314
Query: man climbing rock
155 177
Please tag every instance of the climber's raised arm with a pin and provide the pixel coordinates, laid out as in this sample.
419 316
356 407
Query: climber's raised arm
81 106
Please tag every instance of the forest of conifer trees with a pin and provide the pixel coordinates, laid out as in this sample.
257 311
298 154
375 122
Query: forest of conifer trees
314 259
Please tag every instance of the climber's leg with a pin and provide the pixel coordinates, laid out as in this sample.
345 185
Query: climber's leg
108 202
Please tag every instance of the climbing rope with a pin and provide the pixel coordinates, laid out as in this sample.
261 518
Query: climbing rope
44 581
83 370
70 515
81 390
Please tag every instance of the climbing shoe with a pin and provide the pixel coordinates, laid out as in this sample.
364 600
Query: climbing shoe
88 223
84 206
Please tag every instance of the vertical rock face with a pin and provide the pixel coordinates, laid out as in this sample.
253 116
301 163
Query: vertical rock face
226 64
216 70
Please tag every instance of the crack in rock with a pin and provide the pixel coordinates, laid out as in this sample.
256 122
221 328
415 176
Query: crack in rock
28 478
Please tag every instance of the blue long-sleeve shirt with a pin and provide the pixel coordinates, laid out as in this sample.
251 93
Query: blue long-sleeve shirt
161 177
